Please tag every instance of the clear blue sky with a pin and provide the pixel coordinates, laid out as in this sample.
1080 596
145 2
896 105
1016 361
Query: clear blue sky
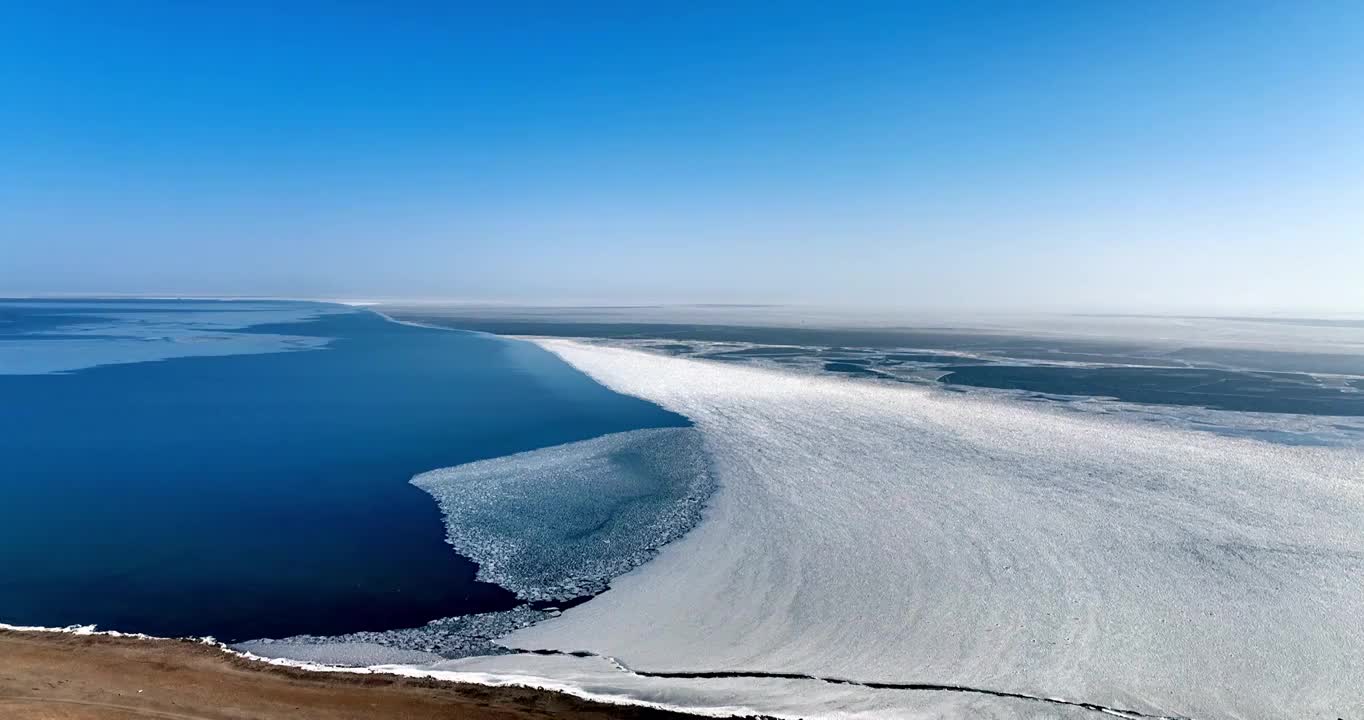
1090 155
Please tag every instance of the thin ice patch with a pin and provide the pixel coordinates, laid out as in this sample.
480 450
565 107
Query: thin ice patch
559 523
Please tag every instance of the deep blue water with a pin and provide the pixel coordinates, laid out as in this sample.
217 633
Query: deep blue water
263 494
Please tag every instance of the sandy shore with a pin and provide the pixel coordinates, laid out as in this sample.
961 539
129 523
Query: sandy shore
58 676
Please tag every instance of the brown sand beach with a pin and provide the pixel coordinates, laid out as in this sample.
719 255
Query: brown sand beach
61 676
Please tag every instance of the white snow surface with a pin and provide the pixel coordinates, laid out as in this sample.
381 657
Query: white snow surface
894 533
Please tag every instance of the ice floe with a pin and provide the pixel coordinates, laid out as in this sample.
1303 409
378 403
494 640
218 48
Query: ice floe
560 522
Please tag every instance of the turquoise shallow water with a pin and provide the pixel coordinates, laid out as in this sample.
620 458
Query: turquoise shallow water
242 469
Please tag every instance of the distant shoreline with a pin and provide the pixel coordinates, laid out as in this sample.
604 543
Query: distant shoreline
70 676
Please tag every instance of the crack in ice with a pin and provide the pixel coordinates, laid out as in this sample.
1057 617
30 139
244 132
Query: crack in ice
869 684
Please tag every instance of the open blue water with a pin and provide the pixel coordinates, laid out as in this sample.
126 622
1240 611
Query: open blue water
242 469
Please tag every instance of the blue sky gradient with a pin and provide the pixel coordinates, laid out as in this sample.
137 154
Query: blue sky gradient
1055 155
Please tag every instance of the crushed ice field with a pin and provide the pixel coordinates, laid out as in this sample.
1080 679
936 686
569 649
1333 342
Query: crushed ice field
901 535
559 523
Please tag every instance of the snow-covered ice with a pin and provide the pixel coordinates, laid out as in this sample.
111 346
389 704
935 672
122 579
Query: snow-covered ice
895 533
